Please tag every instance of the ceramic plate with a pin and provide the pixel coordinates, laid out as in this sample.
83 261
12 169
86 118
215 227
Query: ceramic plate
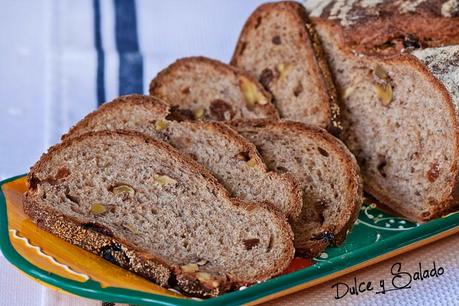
55 263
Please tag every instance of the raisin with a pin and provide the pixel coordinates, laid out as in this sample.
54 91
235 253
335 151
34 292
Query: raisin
178 114
251 243
322 152
433 173
298 90
221 110
276 40
326 235
266 77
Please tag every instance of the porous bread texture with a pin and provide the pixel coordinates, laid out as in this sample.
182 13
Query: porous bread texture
203 88
232 159
325 170
279 47
160 205
388 27
399 121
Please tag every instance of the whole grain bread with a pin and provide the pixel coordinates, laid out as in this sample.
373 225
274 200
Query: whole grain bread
279 47
203 88
388 27
232 159
140 204
400 120
323 167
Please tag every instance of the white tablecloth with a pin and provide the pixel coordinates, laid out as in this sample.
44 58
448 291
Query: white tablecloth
59 58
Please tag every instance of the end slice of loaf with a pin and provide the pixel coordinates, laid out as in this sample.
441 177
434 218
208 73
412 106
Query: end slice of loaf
279 47
232 159
140 204
323 167
400 120
203 88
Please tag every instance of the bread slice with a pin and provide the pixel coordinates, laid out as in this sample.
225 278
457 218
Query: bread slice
232 159
140 204
325 170
400 121
203 88
389 27
279 47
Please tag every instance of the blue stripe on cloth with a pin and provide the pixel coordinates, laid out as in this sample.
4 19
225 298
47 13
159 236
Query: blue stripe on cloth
100 54
127 44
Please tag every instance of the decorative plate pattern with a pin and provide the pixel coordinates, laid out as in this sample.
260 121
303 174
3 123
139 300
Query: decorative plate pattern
53 262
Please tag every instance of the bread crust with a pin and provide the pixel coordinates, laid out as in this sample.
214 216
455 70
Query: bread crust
268 109
95 238
450 200
323 73
355 188
388 27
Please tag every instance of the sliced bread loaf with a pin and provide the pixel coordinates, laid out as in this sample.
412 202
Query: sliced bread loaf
232 159
140 204
400 121
388 27
202 88
325 170
279 47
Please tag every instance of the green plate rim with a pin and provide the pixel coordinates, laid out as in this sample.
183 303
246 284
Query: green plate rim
92 289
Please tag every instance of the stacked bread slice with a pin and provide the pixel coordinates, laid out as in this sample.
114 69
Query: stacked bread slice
141 204
232 159
400 112
324 168
279 46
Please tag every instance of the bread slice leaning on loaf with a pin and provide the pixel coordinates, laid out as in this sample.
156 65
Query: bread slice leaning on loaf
323 167
142 205
279 47
203 88
232 159
400 120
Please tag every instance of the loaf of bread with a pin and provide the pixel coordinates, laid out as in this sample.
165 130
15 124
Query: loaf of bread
388 27
326 171
279 47
140 204
399 118
202 88
232 159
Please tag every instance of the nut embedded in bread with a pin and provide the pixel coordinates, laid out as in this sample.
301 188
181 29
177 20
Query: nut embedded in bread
232 159
325 170
164 225
279 47
202 88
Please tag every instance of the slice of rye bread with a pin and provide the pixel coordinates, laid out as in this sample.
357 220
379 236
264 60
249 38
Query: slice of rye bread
400 120
279 47
203 88
141 204
324 168
232 159
388 27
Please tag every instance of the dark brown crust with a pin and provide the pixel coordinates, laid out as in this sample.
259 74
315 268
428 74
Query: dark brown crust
325 76
158 107
450 201
384 29
137 260
268 109
355 189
